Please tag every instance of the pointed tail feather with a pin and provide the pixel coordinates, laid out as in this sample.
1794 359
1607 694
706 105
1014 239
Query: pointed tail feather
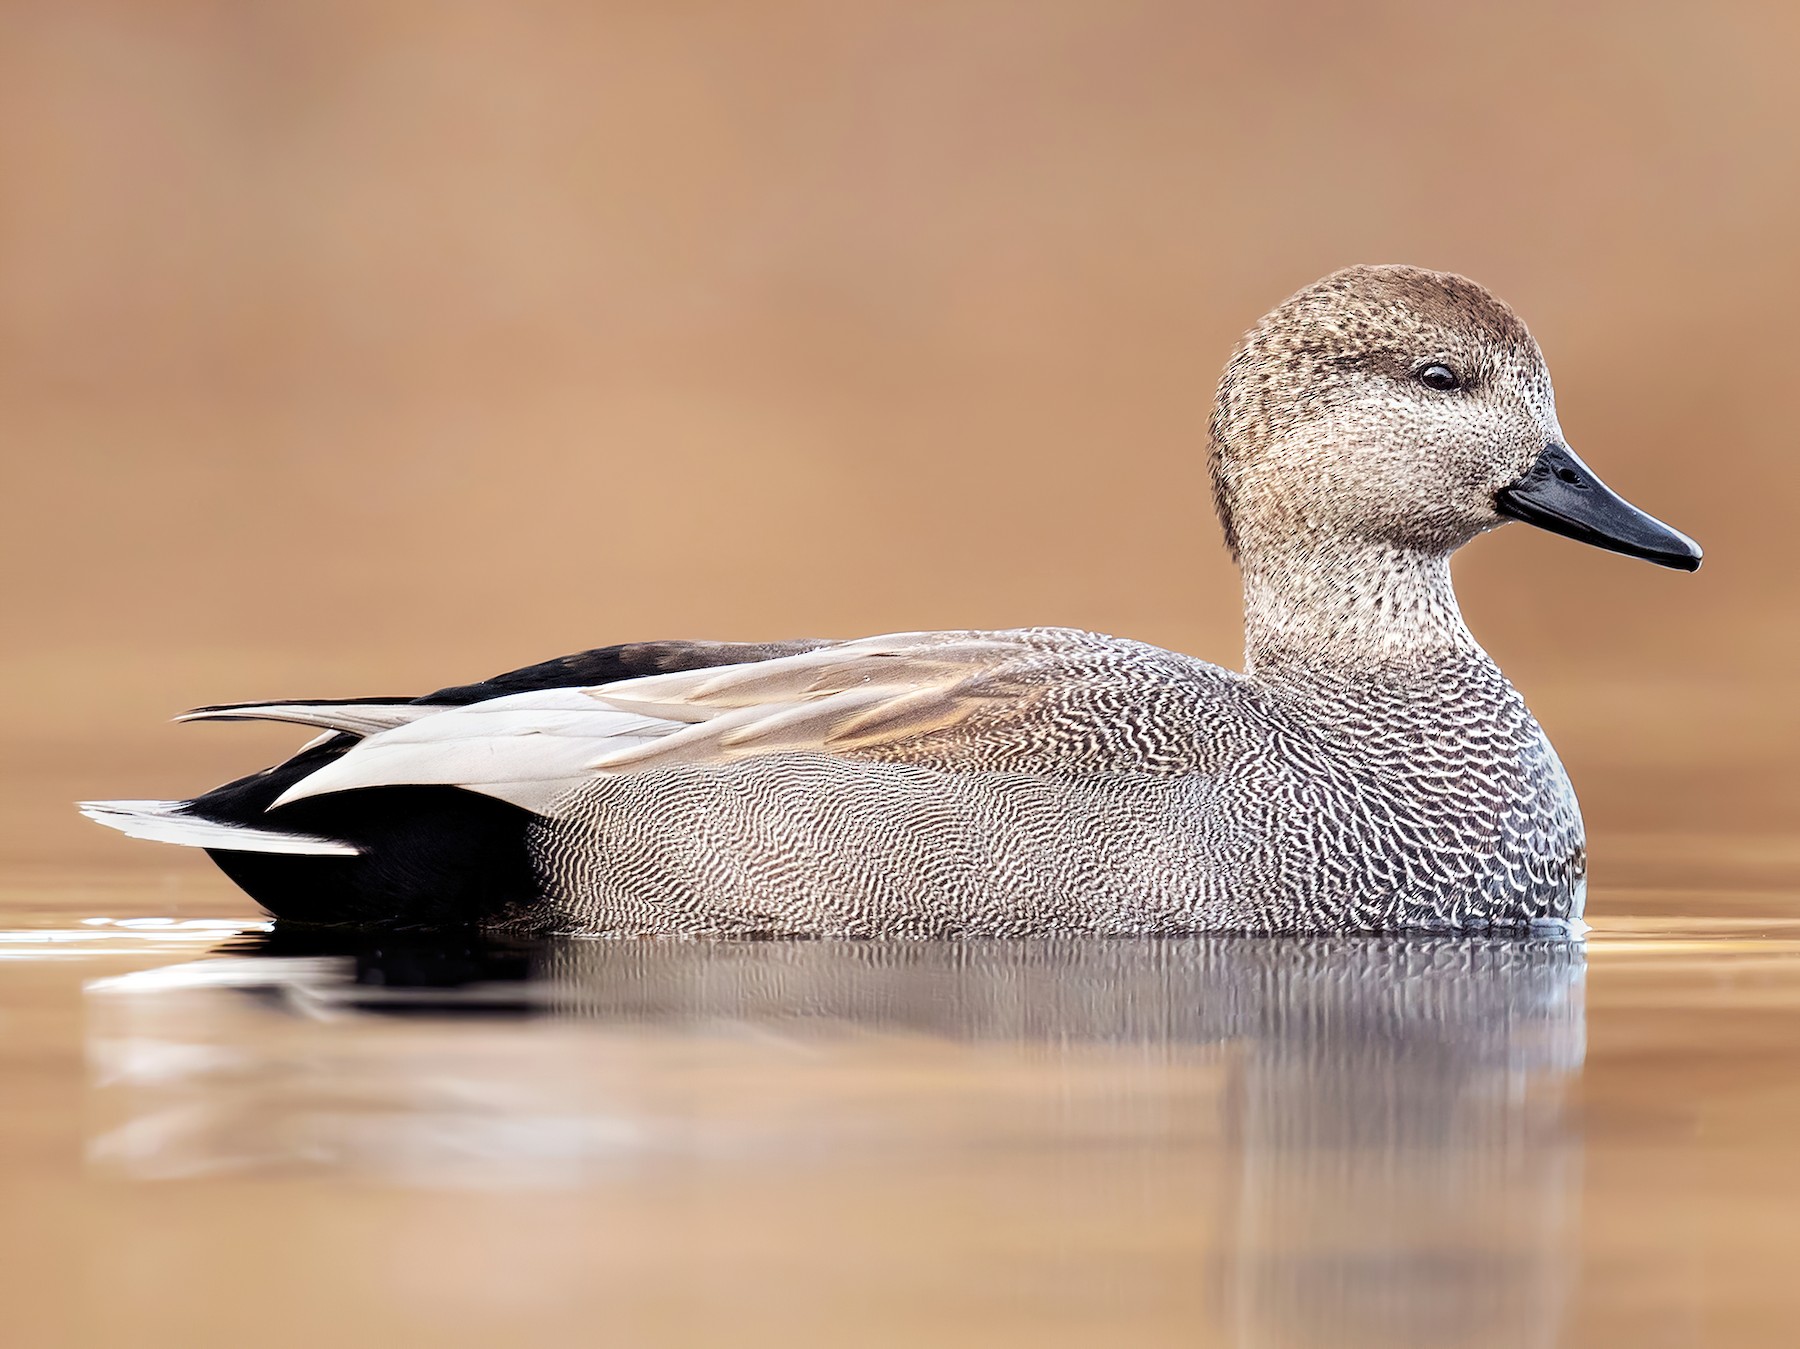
356 718
171 822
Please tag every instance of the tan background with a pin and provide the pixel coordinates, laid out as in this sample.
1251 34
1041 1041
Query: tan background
353 347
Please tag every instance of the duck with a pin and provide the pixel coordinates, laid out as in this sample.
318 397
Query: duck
1370 770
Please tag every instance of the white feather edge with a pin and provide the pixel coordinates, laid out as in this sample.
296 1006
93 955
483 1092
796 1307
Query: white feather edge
167 822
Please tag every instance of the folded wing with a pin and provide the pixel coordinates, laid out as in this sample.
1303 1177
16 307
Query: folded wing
867 697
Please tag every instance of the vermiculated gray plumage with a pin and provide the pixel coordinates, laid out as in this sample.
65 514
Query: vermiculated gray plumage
1371 769
1126 790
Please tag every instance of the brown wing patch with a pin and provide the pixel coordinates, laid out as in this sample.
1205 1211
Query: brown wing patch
849 698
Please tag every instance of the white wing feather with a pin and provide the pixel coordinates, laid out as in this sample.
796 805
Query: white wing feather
527 748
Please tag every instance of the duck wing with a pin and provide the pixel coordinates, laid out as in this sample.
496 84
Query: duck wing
1037 699
232 816
602 664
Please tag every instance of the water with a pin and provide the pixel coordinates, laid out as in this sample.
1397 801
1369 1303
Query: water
213 1132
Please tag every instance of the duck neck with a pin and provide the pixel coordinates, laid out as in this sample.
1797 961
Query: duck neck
1350 607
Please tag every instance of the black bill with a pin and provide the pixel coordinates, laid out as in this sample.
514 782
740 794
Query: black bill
1561 494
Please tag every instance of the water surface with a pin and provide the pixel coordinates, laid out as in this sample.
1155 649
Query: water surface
214 1130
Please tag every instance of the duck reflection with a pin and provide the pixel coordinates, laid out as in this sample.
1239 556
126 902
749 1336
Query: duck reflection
1371 1132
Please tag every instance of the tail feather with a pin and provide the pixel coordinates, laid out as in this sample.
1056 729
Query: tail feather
173 822
356 718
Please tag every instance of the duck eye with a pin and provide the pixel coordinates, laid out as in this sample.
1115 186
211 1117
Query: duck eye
1439 377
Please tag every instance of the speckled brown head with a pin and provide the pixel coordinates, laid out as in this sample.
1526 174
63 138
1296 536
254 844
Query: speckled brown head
1406 408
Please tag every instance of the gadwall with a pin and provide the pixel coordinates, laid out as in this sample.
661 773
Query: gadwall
1371 769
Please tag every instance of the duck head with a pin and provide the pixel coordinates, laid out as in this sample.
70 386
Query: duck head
1408 411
